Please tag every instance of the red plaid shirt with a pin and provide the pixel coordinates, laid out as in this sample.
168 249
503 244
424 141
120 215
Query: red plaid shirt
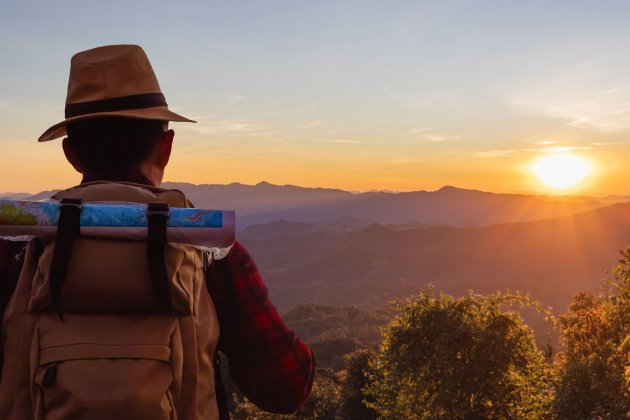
270 365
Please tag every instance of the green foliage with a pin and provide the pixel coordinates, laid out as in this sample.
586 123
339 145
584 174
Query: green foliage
592 380
468 358
323 403
356 379
325 400
330 353
317 323
10 214
333 332
446 358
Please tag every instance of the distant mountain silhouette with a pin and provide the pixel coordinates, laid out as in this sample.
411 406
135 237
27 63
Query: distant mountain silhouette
335 247
284 228
552 259
340 211
612 199
264 203
14 196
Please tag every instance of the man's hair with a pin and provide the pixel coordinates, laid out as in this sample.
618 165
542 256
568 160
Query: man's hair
113 145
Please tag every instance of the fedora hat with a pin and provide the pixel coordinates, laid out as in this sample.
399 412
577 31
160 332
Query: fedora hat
114 80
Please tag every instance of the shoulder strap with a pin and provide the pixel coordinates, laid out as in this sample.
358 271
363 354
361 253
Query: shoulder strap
11 261
68 230
221 290
157 215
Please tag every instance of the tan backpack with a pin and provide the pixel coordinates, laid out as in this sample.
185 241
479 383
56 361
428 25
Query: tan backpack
94 337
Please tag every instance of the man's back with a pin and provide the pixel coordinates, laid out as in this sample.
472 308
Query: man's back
268 363
117 130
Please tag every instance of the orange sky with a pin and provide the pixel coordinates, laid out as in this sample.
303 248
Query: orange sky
31 166
360 96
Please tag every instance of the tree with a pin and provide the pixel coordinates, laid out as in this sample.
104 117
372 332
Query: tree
323 403
445 358
592 372
354 383
325 399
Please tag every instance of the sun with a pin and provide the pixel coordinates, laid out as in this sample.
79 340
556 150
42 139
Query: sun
561 171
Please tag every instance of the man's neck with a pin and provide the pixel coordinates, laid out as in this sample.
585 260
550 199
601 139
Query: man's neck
135 177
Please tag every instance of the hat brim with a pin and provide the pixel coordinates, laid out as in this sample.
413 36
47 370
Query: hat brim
160 113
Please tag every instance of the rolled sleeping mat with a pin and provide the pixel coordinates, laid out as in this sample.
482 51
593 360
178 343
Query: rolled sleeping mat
191 226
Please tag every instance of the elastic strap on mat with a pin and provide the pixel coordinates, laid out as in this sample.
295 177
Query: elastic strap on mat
68 229
157 215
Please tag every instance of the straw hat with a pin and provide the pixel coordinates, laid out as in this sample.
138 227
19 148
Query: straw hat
114 80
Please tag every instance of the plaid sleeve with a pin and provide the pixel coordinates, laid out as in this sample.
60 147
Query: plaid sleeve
269 364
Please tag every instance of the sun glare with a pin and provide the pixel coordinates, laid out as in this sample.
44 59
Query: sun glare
560 170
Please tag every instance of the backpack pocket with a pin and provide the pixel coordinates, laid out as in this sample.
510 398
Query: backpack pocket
105 367
112 276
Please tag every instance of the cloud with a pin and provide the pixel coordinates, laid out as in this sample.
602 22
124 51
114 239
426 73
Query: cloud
587 94
603 144
234 99
562 149
393 122
346 141
420 130
493 153
434 138
427 134
600 112
311 124
230 128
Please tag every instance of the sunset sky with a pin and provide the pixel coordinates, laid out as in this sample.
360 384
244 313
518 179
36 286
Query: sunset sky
359 95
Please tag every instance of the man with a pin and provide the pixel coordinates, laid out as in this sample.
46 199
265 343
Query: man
117 134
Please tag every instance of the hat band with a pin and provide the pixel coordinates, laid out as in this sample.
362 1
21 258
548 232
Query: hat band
144 100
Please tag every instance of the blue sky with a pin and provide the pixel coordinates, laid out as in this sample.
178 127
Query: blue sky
396 95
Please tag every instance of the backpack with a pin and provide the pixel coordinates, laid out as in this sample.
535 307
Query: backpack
102 328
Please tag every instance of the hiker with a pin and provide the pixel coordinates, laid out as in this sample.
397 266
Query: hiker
103 328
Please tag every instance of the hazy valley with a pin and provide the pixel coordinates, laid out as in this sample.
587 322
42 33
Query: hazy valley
334 247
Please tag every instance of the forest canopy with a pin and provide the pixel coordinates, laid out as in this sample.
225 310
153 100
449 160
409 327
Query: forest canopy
439 356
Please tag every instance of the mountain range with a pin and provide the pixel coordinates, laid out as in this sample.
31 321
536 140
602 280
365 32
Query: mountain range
551 259
264 203
335 247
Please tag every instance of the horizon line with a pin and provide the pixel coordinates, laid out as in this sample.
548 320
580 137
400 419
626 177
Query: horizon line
357 192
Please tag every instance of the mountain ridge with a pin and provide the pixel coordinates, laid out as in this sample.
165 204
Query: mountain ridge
551 259
449 205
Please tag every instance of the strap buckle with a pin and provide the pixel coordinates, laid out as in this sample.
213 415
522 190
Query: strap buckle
71 202
159 209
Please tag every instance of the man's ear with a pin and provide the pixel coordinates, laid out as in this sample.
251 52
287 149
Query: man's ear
71 155
164 147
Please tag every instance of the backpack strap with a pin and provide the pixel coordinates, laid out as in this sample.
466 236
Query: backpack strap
157 216
219 386
68 230
11 261
221 289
